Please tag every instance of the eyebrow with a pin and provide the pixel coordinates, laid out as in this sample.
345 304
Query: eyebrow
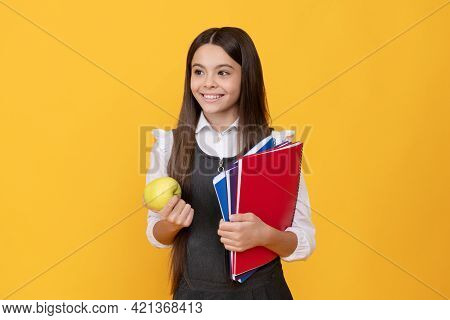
218 66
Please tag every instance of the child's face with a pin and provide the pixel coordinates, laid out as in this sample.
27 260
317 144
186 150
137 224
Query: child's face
215 72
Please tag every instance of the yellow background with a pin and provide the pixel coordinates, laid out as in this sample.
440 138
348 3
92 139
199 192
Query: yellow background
79 80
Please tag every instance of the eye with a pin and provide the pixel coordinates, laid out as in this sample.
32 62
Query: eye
196 72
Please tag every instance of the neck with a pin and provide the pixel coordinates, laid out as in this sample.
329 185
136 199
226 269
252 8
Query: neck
222 120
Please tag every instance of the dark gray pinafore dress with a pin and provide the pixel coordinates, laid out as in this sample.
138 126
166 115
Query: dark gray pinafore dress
207 261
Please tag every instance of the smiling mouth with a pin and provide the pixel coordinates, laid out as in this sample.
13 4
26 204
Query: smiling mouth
211 97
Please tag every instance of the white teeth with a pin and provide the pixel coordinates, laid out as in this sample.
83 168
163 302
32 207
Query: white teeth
211 97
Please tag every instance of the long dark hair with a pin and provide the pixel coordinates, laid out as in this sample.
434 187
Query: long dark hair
253 121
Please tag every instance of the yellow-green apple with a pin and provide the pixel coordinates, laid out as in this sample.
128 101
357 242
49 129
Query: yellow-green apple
159 191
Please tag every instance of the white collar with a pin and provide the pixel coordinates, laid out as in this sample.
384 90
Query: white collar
203 122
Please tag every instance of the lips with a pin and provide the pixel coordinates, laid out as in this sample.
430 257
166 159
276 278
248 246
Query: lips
211 94
211 97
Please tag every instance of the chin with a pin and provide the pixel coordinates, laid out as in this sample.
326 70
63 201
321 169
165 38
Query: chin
213 110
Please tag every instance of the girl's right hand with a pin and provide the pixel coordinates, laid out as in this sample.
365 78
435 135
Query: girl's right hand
177 212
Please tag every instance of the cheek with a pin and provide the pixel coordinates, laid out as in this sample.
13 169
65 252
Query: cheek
196 83
234 86
234 94
233 89
194 86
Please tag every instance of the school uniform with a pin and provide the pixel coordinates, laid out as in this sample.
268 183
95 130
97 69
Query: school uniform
207 274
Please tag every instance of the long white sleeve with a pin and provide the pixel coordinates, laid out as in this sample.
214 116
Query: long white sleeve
302 224
159 157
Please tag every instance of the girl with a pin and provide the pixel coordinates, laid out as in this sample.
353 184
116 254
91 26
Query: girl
223 115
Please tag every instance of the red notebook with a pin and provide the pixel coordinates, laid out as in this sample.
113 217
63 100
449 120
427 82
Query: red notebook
268 185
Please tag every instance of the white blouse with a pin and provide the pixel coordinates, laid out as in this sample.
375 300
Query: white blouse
223 145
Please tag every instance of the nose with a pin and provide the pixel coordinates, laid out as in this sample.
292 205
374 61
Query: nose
209 81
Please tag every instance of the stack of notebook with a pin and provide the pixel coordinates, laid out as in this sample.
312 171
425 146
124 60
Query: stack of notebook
264 181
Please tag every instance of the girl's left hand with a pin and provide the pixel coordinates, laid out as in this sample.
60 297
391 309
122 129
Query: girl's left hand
244 232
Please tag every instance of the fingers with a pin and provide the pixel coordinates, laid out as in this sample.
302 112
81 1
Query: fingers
181 215
227 234
249 216
189 218
229 226
176 211
168 208
186 216
180 219
229 242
